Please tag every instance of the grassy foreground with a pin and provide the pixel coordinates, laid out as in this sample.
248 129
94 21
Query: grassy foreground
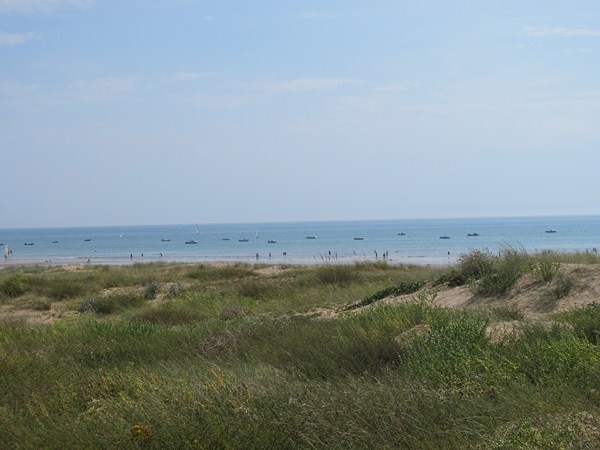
239 356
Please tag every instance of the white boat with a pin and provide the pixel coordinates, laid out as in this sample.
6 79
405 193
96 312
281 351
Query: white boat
197 231
550 231
121 235
191 241
165 240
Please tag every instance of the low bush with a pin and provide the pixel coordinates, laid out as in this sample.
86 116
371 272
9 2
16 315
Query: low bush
151 290
15 285
475 264
506 270
401 289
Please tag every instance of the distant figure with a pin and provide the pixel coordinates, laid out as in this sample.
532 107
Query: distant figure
269 255
160 255
131 256
142 255
257 256
284 253
89 260
375 251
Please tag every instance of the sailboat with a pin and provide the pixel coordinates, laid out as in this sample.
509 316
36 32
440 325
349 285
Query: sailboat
121 235
6 251
197 231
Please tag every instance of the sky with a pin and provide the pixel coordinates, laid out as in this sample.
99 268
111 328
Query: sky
135 112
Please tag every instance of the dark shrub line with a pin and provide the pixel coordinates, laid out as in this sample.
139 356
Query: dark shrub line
403 288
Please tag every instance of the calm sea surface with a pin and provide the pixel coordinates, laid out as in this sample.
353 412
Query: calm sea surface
406 241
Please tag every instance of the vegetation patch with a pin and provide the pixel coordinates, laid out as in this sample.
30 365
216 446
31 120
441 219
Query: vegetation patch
401 289
15 285
237 362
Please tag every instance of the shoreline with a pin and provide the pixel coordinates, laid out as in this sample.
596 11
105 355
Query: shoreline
62 261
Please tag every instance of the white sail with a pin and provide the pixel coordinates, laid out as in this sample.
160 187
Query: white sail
197 231
6 251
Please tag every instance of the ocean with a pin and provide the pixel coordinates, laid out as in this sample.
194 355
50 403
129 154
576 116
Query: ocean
411 241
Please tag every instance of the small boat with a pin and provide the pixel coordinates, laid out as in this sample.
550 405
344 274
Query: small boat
271 241
28 243
54 242
243 240
550 231
402 234
165 240
444 237
473 234
359 238
197 230
257 235
191 241
121 235
311 237
225 239
87 240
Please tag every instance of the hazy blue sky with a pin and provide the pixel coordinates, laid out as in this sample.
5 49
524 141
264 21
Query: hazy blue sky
197 111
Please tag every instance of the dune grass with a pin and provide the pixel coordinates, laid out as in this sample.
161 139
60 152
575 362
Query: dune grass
234 358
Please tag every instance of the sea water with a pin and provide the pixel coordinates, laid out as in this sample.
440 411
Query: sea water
415 241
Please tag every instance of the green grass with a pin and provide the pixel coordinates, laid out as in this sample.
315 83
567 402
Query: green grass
235 359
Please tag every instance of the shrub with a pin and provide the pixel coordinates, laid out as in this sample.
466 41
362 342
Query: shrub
504 273
402 289
151 290
15 285
475 264
175 289
452 278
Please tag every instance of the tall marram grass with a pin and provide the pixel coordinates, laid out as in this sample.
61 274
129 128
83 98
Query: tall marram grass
178 372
